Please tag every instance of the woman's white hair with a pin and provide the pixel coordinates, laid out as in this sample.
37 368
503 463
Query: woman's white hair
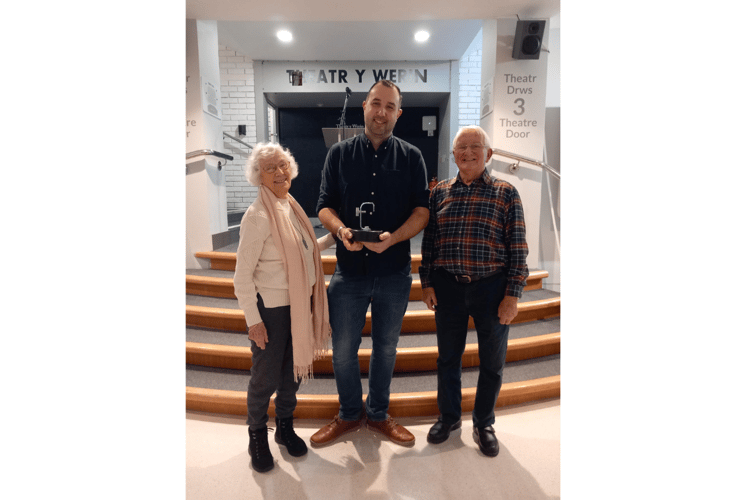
263 151
476 128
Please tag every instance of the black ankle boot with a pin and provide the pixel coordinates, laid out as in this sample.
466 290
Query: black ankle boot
286 435
258 449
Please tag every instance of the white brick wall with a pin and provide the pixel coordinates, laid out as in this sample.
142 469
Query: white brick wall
469 94
238 108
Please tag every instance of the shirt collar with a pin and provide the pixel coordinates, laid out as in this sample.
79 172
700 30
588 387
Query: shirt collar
485 178
384 144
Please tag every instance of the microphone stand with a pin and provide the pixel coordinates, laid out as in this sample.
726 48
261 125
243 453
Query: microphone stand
341 124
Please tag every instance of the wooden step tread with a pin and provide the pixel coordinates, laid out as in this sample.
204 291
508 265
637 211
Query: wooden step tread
412 404
414 321
225 261
409 359
213 286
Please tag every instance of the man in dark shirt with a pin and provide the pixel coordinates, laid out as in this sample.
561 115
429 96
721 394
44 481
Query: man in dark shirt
378 168
474 264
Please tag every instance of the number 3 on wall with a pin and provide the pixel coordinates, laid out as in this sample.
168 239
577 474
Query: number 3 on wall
521 104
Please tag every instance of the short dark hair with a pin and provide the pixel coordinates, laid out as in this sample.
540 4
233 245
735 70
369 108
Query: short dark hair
387 83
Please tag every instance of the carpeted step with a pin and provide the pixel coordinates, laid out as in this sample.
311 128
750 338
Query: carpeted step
219 283
417 319
419 339
237 380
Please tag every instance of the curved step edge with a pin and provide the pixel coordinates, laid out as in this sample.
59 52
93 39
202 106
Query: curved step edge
415 404
212 286
409 359
225 261
413 322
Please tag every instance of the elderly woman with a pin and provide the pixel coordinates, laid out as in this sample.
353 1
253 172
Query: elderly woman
279 283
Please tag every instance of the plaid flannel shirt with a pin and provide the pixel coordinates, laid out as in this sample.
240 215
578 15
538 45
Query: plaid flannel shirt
476 230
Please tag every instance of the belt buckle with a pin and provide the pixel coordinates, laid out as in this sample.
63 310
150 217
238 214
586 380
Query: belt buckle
463 278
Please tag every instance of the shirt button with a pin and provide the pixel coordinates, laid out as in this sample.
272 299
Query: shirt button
371 193
374 174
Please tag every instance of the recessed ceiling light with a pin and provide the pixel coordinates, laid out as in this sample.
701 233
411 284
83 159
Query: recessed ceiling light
284 35
421 36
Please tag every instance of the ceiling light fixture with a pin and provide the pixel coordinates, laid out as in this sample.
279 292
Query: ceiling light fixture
421 36
284 35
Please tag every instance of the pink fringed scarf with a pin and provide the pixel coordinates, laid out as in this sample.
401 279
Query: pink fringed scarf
310 332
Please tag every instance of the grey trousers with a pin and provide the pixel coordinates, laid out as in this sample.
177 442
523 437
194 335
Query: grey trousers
272 369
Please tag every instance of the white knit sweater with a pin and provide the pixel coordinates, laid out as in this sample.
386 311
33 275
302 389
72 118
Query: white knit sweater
259 267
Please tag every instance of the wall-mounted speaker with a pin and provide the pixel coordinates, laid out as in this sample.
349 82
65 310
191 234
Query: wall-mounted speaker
528 39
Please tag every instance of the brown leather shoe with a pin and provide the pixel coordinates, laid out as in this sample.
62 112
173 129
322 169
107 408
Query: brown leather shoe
333 430
391 429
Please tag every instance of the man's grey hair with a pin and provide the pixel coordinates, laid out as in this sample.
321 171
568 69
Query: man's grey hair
264 151
476 128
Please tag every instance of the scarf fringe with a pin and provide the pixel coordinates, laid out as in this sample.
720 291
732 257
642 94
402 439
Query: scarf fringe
310 339
304 373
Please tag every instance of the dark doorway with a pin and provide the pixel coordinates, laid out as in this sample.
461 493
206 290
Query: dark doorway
300 132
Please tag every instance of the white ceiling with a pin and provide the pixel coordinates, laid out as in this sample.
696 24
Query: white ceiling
350 40
336 30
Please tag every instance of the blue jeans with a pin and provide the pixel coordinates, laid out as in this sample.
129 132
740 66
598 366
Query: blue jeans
456 302
349 298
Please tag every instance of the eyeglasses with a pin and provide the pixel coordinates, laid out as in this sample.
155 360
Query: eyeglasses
270 169
473 147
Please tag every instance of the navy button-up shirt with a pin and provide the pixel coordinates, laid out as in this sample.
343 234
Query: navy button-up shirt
392 178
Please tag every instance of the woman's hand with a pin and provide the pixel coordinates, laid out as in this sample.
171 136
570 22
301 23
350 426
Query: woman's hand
257 333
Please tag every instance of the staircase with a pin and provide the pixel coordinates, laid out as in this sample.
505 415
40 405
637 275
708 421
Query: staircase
218 355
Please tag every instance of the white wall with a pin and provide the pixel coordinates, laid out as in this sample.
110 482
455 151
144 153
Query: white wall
238 108
469 96
206 202
550 218
553 89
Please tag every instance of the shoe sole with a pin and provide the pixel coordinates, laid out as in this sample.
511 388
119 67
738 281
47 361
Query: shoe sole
452 428
262 470
487 453
332 441
401 443
259 469
280 442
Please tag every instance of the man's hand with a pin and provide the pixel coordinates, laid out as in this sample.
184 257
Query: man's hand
507 310
353 246
257 333
429 297
381 246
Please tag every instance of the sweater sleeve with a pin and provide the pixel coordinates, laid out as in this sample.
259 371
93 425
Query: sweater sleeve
253 229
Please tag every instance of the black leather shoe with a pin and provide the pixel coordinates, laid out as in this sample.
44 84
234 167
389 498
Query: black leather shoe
486 439
440 431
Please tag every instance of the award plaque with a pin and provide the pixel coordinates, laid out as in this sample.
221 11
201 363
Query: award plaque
365 233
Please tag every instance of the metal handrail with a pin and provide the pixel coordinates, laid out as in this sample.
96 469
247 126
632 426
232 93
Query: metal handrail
211 152
236 139
526 160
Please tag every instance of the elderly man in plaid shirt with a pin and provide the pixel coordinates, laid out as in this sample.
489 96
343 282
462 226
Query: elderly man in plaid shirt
474 264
